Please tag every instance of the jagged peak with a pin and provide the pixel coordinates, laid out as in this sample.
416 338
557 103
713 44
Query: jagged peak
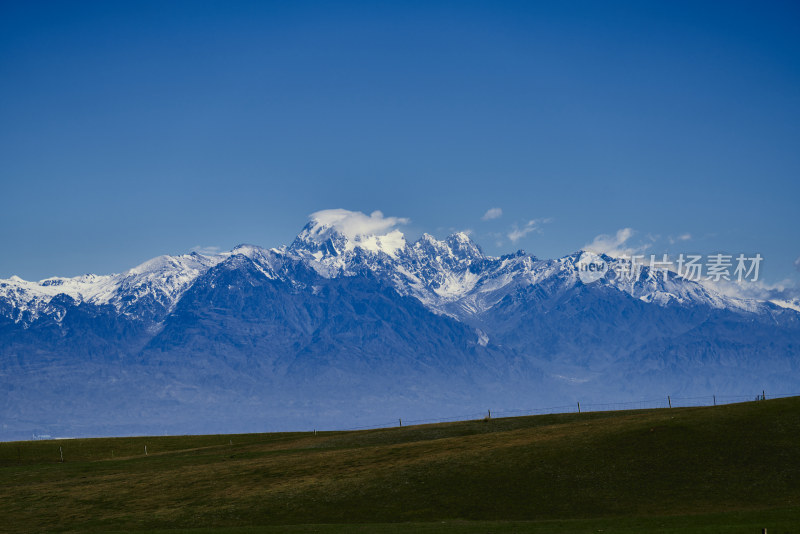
518 254
427 238
461 242
462 237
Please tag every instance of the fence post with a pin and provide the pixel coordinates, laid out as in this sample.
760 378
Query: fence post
715 400
61 452
669 401
145 450
579 407
400 420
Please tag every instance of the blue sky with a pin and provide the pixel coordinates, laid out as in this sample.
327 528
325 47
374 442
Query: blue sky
130 130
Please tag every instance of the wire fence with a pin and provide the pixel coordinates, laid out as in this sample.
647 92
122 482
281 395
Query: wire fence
578 407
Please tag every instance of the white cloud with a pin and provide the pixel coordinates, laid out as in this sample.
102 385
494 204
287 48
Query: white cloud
492 213
534 225
785 293
518 233
353 224
206 251
616 245
682 237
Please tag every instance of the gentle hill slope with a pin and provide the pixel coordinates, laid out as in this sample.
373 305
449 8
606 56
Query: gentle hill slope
722 460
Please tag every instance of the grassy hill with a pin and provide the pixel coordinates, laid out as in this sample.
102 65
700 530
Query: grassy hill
733 468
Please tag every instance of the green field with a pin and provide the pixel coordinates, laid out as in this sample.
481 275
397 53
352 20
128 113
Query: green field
723 469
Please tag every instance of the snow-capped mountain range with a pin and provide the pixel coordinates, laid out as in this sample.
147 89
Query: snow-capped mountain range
352 315
450 276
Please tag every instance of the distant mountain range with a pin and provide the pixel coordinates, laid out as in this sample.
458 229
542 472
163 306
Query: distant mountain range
342 328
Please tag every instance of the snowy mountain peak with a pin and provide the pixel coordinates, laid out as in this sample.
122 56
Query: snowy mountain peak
455 247
338 231
461 237
427 238
428 243
463 246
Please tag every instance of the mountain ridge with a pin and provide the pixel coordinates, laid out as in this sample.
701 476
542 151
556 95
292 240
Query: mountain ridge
331 253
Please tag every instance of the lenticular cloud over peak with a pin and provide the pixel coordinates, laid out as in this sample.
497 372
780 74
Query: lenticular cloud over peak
354 224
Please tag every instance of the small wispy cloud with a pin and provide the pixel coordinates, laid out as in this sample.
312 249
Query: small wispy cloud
492 213
498 238
534 225
797 263
206 251
678 239
617 244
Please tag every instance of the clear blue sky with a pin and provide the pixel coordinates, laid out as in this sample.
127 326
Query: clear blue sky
130 130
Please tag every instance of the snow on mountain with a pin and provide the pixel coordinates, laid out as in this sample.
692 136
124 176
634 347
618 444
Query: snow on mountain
24 301
451 276
663 287
792 304
441 270
160 282
150 289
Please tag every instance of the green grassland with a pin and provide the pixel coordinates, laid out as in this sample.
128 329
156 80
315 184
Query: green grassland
726 469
